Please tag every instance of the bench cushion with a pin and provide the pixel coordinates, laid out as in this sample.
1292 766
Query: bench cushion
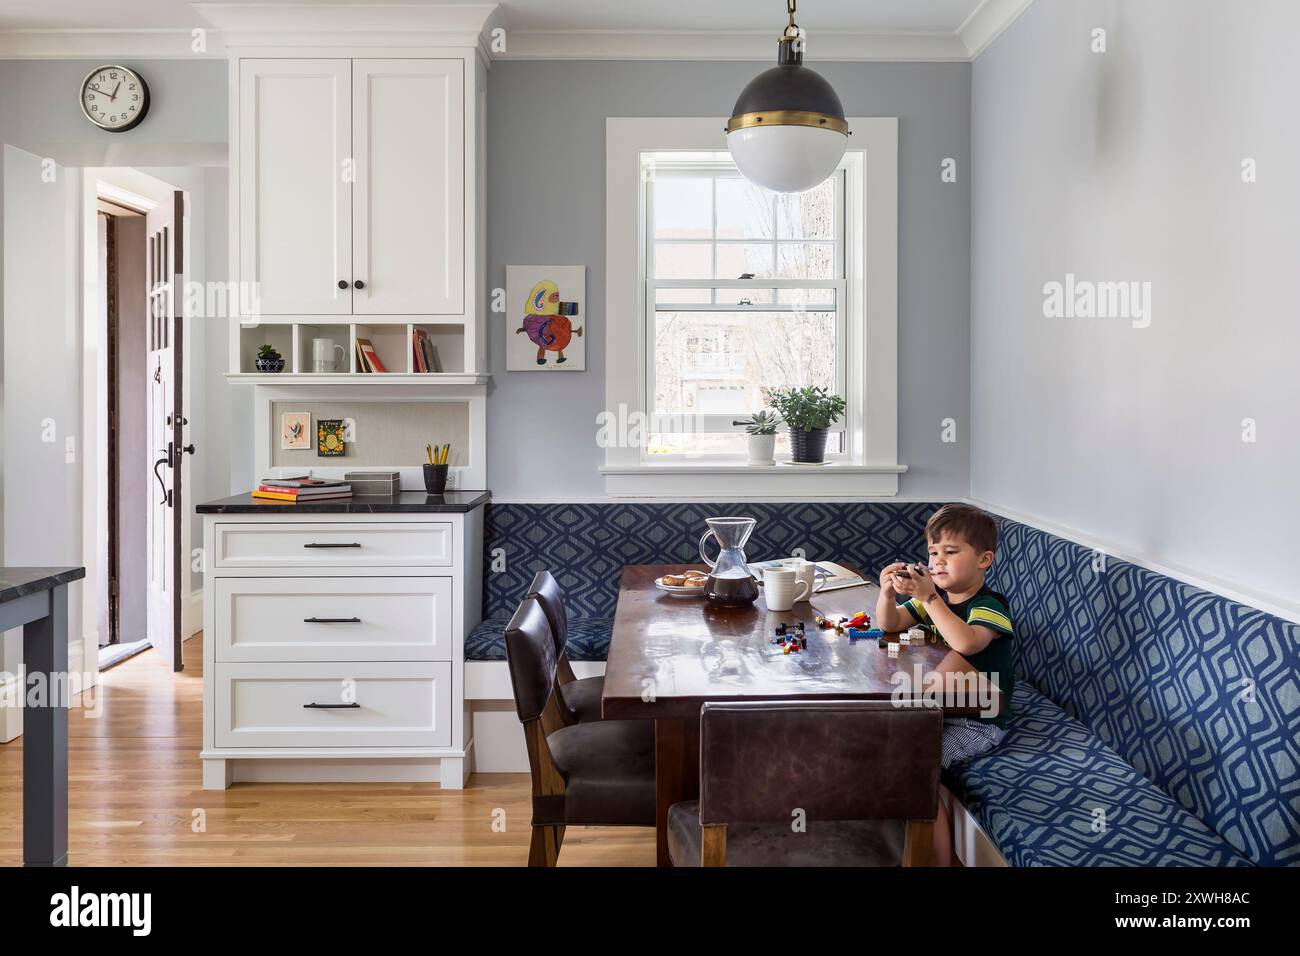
1197 692
588 640
1040 794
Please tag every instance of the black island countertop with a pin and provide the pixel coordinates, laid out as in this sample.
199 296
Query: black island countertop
404 502
19 582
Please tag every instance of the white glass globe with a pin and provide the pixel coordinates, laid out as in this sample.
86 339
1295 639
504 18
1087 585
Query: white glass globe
786 159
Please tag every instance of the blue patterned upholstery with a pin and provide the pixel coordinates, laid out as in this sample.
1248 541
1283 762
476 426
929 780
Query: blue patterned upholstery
1175 711
1042 791
1199 693
585 545
588 640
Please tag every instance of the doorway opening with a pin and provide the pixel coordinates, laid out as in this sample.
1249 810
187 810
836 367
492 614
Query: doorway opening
134 373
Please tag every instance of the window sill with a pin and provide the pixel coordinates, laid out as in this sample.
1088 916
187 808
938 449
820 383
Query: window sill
740 480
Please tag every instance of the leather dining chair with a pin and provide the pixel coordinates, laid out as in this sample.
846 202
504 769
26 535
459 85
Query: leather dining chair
579 698
600 773
811 783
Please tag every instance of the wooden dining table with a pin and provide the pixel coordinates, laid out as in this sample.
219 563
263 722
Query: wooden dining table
669 655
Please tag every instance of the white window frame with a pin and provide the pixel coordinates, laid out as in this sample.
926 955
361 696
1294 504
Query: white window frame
870 466
717 422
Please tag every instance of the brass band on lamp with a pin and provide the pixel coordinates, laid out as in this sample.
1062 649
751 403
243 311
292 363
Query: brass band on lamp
788 118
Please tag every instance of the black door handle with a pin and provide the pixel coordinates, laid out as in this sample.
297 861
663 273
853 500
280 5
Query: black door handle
187 449
359 284
331 620
343 283
329 544
315 706
161 484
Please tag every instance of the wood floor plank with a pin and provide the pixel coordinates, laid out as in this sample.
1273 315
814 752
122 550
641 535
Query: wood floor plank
135 784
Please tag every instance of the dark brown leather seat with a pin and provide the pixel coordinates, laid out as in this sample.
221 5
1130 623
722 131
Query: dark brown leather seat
580 697
600 773
811 783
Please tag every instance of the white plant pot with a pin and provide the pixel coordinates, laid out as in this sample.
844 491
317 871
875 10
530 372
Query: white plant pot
762 449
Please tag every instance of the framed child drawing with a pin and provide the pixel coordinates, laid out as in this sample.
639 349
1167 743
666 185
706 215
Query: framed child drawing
546 318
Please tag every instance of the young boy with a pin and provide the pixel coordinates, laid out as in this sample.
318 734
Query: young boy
950 597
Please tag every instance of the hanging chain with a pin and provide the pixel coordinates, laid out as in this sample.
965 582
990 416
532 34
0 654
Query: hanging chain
790 28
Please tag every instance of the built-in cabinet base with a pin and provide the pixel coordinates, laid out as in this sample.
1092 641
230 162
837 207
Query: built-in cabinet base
449 772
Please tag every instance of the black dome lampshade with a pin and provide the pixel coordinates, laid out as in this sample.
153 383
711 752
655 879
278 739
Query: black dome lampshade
787 131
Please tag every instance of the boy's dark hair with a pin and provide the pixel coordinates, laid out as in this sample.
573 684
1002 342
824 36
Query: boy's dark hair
977 528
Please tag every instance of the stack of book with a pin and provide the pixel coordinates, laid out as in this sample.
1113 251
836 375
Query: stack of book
302 488
367 358
424 352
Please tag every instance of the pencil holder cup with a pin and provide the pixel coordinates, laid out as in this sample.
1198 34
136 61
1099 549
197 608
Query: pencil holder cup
435 478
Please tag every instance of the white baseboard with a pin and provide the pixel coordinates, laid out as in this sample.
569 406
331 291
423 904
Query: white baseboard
490 680
191 614
11 706
971 843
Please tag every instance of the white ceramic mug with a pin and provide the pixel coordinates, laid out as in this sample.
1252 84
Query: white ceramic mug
806 571
323 358
782 590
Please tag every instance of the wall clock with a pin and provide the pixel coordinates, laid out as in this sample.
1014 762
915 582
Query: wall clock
114 98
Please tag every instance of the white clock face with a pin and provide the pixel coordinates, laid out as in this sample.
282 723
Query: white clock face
114 98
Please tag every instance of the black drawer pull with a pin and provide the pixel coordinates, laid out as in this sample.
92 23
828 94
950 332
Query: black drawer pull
330 544
331 620
331 706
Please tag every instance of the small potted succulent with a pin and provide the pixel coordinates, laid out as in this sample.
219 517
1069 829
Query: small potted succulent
809 412
269 360
761 429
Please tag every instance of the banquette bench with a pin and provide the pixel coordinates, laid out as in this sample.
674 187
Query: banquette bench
1154 724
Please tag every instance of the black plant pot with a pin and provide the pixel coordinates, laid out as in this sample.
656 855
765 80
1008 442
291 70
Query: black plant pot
266 363
808 447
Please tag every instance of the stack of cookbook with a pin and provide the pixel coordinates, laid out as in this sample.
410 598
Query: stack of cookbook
301 488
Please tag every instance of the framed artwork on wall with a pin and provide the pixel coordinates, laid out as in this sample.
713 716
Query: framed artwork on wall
546 318
295 430
329 437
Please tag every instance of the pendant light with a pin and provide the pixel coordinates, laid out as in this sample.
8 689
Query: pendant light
788 132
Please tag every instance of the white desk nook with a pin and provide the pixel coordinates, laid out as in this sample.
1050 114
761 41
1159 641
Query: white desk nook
334 637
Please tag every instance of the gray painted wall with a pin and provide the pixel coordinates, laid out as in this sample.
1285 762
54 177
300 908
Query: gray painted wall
1127 166
546 205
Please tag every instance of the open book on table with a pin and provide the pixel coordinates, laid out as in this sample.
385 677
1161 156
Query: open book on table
830 576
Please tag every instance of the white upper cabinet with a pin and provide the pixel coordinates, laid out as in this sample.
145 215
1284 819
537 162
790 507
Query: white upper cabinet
408 203
352 186
295 209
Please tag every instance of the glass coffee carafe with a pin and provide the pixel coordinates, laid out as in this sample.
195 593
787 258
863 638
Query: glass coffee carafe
730 584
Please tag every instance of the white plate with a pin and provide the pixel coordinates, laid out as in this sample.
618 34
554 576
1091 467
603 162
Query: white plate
678 590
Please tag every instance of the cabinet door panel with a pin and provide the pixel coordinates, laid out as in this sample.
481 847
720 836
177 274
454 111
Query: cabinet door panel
408 199
295 208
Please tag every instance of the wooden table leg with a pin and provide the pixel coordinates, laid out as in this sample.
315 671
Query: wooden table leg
677 774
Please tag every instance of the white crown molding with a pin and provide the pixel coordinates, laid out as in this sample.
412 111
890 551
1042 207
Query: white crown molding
108 44
325 25
355 24
748 46
986 23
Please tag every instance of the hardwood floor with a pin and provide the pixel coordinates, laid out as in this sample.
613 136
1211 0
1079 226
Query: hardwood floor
136 798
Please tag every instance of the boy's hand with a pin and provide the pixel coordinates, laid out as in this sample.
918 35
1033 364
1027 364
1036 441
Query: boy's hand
922 584
888 583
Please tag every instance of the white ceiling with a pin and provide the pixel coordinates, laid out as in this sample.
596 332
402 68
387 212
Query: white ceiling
577 29
888 16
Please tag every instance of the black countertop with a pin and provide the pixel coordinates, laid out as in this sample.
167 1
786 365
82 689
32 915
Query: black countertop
404 502
19 582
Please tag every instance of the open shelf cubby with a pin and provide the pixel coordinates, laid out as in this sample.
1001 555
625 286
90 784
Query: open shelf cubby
393 341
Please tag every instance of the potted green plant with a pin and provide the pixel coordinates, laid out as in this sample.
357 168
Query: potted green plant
809 412
761 429
269 360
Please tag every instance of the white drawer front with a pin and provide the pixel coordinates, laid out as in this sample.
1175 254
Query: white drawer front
333 545
396 705
333 619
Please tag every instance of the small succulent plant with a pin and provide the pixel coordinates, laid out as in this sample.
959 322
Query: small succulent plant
761 423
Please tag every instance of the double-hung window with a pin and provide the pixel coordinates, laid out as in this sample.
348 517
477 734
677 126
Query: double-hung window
717 290
744 289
